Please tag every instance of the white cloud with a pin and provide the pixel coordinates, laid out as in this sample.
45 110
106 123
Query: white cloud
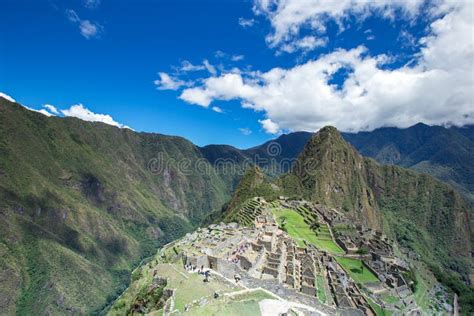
51 108
80 112
72 16
212 70
245 23
219 54
237 57
7 97
370 37
438 89
407 39
187 66
166 82
269 126
196 96
306 44
245 131
87 28
42 111
217 109
91 4
288 17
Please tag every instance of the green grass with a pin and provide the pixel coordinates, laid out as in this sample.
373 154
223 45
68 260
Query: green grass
300 231
249 308
321 290
390 299
356 270
378 310
191 288
188 286
241 304
257 295
421 293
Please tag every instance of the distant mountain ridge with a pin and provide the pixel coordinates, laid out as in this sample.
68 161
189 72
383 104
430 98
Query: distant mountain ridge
445 153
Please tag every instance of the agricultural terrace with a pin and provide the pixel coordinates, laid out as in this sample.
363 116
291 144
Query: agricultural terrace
297 228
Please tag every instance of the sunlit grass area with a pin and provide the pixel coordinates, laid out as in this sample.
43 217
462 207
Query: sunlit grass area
356 269
300 231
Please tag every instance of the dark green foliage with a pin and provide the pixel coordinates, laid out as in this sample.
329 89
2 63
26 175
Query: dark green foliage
464 291
174 227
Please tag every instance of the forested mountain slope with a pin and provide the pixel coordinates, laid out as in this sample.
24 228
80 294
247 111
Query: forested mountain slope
81 203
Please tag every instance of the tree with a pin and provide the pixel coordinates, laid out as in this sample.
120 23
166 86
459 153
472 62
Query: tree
315 225
283 221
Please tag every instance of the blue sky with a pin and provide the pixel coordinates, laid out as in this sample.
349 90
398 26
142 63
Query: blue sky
239 72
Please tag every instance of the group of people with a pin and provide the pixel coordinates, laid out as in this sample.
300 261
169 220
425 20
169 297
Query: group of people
240 250
202 271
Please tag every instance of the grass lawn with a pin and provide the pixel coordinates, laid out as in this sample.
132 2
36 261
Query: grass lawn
242 304
421 291
378 310
190 288
321 290
249 308
358 272
390 299
300 231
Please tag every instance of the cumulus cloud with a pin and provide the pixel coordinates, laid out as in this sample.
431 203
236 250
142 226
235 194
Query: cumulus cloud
437 89
80 112
245 131
87 28
51 108
289 17
166 82
269 126
7 97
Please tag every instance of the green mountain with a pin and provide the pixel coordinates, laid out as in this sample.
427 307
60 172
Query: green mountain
82 203
444 153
